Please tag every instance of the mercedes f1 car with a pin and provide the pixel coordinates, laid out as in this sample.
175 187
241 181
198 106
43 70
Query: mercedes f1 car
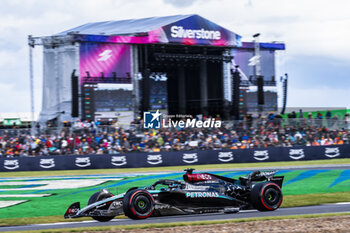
198 193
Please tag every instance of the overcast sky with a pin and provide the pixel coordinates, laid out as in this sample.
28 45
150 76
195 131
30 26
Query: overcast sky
316 33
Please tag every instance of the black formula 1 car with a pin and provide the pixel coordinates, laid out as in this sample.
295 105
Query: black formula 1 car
198 193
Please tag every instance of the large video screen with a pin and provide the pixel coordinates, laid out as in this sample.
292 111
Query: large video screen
159 92
267 62
113 97
104 57
251 101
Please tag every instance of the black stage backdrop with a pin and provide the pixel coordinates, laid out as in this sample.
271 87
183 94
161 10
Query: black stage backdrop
176 158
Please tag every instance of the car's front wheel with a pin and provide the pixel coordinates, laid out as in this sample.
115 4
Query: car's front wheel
138 204
266 196
99 196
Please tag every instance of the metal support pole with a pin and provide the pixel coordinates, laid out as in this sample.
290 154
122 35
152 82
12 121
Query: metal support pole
285 86
31 78
145 82
257 54
135 81
181 90
226 84
77 73
57 90
203 87
257 65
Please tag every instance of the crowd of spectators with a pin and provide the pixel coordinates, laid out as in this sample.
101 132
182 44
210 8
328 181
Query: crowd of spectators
91 138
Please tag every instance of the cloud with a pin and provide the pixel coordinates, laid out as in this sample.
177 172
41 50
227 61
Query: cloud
318 97
180 3
17 100
318 71
315 32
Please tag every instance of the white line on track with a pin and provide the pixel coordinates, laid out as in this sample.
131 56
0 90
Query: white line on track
126 219
4 204
247 211
99 176
24 195
62 223
113 220
342 203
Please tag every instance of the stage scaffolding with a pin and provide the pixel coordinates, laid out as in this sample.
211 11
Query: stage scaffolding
61 57
188 56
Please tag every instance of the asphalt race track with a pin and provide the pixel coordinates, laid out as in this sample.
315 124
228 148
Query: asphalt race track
327 208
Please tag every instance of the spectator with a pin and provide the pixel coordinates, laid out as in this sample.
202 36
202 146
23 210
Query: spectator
250 133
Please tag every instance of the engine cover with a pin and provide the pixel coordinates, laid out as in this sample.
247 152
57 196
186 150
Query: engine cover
198 177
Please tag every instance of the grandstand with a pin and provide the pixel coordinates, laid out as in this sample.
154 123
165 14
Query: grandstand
96 138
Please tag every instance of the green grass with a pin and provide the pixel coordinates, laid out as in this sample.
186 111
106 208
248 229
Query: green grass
175 168
315 199
57 204
179 224
319 183
309 189
288 201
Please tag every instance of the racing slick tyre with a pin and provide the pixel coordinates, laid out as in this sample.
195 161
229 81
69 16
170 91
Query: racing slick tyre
138 204
266 196
103 194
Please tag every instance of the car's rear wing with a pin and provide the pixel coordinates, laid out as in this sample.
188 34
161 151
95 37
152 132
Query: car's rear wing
266 175
277 180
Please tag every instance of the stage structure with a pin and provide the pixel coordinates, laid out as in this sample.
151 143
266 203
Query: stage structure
180 64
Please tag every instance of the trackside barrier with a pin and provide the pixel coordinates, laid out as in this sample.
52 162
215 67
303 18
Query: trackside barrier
176 158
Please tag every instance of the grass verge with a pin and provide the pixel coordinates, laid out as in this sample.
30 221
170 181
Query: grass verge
179 224
174 168
288 201
315 199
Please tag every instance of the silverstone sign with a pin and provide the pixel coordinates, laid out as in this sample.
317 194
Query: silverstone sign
180 32
174 158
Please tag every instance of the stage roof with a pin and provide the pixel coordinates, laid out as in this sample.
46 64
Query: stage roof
124 27
178 29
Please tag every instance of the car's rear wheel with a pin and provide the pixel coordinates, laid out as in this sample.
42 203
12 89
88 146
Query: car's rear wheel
99 196
266 196
138 204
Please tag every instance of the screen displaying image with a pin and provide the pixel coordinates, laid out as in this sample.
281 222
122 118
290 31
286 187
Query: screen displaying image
267 61
158 91
107 58
113 97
